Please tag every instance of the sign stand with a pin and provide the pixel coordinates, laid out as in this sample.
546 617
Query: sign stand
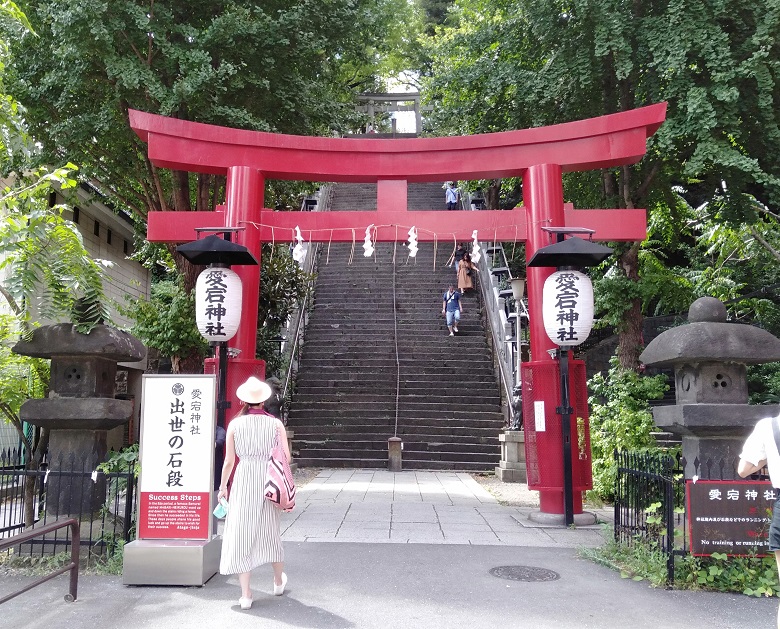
176 543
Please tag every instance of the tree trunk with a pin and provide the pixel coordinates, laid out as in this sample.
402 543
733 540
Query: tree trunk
493 196
630 339
203 201
193 363
181 190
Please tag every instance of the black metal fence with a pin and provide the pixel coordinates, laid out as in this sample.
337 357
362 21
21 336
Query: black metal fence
649 496
23 503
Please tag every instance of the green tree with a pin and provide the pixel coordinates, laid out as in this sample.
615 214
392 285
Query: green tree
166 322
277 66
620 419
533 62
46 270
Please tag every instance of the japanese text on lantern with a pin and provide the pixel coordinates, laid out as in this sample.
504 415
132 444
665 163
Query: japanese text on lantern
216 293
566 297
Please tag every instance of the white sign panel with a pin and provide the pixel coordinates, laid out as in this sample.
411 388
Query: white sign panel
539 415
177 456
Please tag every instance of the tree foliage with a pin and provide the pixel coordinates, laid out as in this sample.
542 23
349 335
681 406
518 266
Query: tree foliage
515 64
48 272
277 66
620 419
284 285
166 322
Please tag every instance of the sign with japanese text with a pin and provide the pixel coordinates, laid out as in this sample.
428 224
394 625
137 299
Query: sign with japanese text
177 456
729 517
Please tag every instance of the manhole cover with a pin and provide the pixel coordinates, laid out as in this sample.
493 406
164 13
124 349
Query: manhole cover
524 573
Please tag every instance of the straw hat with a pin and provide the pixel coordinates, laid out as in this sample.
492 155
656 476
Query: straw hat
253 391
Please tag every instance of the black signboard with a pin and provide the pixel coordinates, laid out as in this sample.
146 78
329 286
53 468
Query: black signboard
729 517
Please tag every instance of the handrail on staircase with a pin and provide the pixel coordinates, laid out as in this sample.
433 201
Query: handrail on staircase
504 342
298 321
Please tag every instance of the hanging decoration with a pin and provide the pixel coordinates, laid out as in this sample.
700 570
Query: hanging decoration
218 304
413 242
567 307
299 251
368 245
475 254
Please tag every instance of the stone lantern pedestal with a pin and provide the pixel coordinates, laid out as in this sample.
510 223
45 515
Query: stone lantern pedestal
710 359
80 408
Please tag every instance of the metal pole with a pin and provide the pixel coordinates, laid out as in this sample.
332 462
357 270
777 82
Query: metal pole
518 331
565 412
222 401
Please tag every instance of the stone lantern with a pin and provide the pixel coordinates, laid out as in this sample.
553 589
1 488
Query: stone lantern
710 358
80 407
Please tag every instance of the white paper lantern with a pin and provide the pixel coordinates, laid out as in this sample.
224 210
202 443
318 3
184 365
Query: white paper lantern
218 304
567 307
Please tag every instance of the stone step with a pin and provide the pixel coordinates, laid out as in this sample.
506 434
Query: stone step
371 312
411 450
364 463
362 430
457 442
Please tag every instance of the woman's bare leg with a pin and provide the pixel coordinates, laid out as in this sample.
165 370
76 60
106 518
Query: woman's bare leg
278 567
243 579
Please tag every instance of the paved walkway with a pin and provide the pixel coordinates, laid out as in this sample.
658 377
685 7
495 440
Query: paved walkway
413 550
367 506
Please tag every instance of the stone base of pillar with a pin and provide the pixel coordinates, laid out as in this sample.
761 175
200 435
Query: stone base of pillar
77 451
290 435
559 519
394 448
511 468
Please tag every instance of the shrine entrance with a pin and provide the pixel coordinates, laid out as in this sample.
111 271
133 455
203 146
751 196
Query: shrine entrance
540 156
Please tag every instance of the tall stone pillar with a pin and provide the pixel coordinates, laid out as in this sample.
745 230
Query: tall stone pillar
80 408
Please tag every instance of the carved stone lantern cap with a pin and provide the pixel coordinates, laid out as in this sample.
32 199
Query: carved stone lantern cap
62 339
708 338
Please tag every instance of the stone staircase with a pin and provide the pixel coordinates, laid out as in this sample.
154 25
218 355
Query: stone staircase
353 391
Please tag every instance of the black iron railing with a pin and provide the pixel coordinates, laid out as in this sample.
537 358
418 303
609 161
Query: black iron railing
649 501
23 504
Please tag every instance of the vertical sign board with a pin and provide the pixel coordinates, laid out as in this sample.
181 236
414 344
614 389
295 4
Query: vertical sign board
729 517
177 457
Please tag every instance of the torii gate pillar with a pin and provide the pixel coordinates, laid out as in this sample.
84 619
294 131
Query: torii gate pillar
543 199
244 198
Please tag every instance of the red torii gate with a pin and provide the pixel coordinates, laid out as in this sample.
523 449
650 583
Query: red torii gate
540 155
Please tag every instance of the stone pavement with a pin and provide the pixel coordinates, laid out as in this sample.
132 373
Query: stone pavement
413 550
376 506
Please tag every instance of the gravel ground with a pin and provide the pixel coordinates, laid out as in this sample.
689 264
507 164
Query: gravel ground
509 494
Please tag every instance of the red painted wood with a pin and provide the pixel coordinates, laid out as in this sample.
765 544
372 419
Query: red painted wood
611 140
503 226
244 196
540 155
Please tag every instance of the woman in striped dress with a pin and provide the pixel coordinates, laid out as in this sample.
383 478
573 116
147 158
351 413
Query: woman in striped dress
251 537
